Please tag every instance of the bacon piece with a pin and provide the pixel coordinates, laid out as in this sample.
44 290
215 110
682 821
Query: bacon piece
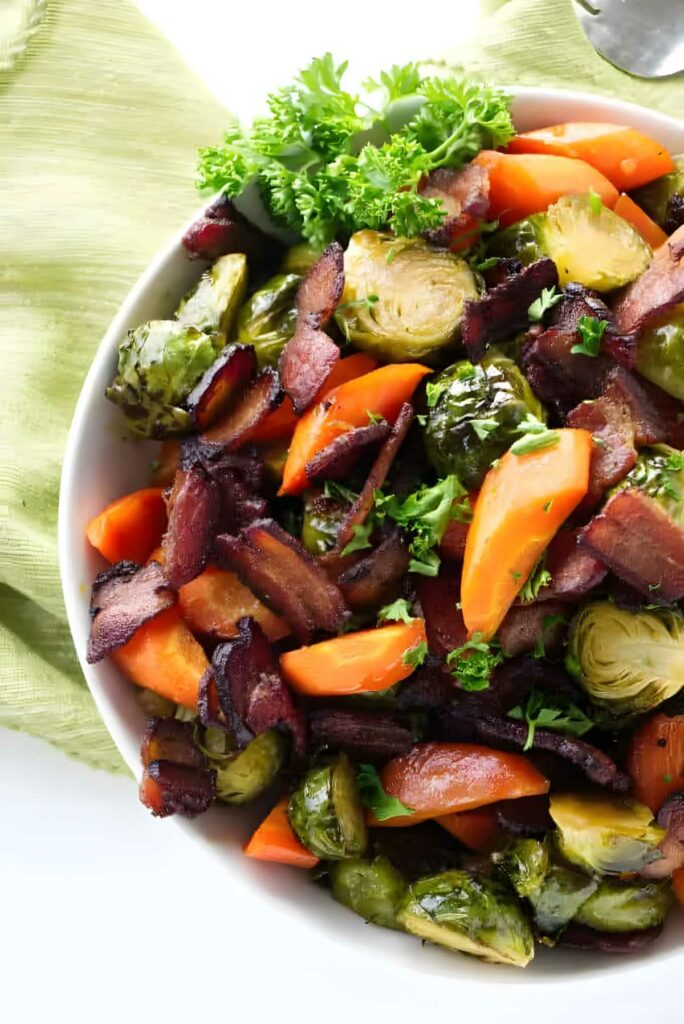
309 356
675 214
574 570
168 739
578 302
287 578
252 693
444 623
669 412
338 459
579 936
370 735
622 386
523 628
236 426
168 788
429 688
529 816
452 545
194 509
659 288
559 377
503 310
220 384
123 598
221 229
636 539
358 513
208 705
613 453
465 196
376 578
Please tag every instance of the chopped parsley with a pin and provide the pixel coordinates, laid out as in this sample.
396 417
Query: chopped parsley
538 578
484 427
546 301
473 662
416 655
374 796
591 330
424 515
548 622
361 538
374 417
550 711
535 442
595 202
336 490
398 611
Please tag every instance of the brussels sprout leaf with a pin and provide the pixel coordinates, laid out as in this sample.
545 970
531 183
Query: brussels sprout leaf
399 611
550 711
591 330
472 664
374 797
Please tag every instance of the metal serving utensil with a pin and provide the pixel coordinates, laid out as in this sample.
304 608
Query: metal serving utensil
642 37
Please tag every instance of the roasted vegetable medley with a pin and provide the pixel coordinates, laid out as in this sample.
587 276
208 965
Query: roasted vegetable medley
410 565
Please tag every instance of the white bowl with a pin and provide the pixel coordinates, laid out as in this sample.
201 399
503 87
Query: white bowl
100 464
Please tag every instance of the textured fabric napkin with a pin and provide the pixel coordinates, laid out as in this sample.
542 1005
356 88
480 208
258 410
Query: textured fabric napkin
99 125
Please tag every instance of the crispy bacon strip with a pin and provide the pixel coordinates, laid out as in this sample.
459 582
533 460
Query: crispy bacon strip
503 310
221 230
194 510
370 735
560 377
439 597
376 578
236 426
285 576
523 628
123 598
635 538
528 816
574 570
251 691
613 453
465 196
659 288
168 739
168 788
338 459
309 356
221 384
359 511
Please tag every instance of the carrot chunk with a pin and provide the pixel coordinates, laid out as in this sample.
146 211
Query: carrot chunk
129 528
639 219
275 841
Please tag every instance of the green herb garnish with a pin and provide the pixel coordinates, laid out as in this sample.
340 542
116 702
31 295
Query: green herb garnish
550 711
360 540
546 301
374 797
591 330
473 662
416 655
398 611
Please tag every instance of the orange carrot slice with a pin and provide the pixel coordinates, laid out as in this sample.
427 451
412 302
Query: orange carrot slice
216 600
130 527
478 829
275 841
639 219
164 656
656 759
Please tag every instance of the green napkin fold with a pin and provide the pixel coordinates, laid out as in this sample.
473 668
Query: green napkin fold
99 126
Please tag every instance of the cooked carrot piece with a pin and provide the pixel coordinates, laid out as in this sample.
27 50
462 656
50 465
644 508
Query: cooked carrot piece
382 393
438 779
522 503
275 841
625 156
372 659
656 760
639 219
526 183
216 600
129 528
164 656
478 829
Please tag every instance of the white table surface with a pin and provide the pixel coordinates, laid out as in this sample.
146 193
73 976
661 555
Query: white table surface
108 915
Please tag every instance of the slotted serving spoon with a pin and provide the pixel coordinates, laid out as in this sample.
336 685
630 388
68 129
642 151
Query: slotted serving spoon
642 37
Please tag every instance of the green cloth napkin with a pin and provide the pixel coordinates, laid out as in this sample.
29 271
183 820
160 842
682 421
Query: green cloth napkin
99 126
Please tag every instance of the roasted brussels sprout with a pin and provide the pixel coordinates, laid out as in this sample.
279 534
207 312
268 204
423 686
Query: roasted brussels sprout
659 473
476 416
159 364
402 299
627 661
605 835
591 246
321 523
242 775
660 353
267 320
154 705
656 197
371 888
626 906
300 258
213 304
525 863
473 915
326 813
558 899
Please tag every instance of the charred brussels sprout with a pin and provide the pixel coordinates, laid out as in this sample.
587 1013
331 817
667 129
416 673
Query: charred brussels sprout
476 416
659 473
267 320
605 835
590 245
525 864
213 304
402 300
657 197
159 364
627 661
321 524
559 898
473 915
626 906
242 775
660 354
325 812
371 888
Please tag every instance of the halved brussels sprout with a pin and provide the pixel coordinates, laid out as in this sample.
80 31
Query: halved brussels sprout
242 775
476 416
627 661
321 524
300 258
159 364
589 245
479 916
626 906
659 473
655 197
603 834
402 299
268 319
372 888
525 863
559 898
213 304
326 813
660 353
